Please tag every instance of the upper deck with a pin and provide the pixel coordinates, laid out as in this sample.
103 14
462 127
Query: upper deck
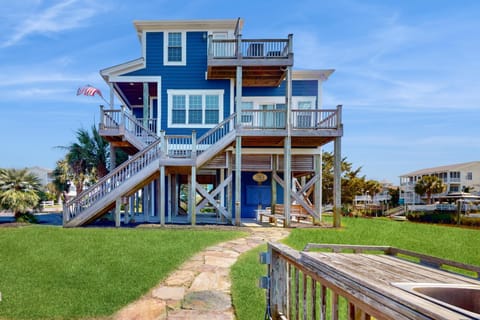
264 61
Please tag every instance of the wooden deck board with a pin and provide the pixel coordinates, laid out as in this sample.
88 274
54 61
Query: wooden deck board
370 277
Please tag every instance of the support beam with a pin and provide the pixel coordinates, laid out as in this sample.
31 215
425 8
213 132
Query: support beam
118 204
238 147
287 154
193 196
145 202
229 186
238 180
161 195
318 185
193 182
170 179
146 112
337 183
274 183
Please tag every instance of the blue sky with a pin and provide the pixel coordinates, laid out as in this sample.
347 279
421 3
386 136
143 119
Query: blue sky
407 72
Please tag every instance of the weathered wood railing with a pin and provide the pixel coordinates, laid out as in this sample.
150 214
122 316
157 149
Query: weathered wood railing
301 119
179 146
138 128
249 48
111 181
215 134
121 120
298 289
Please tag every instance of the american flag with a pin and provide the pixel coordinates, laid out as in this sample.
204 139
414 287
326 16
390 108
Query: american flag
88 90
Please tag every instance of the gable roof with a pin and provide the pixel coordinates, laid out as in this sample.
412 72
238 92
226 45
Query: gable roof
190 25
447 168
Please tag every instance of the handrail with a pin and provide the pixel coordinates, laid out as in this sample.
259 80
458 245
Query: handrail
116 118
112 180
133 125
215 134
250 48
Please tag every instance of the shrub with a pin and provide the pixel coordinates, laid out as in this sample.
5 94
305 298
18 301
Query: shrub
432 217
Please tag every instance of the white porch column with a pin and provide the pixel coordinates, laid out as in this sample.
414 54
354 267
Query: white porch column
238 149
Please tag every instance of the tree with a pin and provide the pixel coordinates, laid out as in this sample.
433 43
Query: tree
19 191
429 185
87 157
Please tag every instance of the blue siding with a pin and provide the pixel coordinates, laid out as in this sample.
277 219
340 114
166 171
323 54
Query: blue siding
299 88
253 195
191 76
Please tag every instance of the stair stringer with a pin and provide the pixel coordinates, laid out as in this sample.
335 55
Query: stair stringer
102 206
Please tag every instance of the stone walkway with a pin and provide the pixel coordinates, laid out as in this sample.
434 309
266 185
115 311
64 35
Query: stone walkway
200 288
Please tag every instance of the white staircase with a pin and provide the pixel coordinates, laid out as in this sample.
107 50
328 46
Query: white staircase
143 167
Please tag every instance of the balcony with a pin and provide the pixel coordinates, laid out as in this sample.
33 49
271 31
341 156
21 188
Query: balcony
263 61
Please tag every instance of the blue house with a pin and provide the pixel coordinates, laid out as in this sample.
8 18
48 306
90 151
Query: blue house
218 128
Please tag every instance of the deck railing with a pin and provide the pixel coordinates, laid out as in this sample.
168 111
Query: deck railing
298 289
249 48
119 119
179 146
112 181
301 119
215 134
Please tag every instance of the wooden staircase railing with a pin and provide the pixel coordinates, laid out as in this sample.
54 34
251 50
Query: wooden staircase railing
111 181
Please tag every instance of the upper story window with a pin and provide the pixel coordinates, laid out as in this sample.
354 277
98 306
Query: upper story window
174 48
469 176
194 108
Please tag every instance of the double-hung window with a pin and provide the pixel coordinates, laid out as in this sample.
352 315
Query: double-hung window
194 108
174 48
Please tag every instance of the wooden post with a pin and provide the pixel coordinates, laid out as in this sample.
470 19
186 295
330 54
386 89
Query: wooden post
193 181
161 195
126 211
146 112
287 154
337 183
229 186
238 145
170 197
145 202
274 183
118 203
318 184
278 285
112 94
102 118
238 180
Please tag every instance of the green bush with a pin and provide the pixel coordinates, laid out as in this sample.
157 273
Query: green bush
432 217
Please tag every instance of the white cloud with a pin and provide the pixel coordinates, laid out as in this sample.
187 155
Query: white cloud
61 16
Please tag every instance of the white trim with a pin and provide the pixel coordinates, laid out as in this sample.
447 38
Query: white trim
115 71
322 75
257 101
183 62
203 93
280 151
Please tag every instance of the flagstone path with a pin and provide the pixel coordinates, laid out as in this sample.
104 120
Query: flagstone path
200 288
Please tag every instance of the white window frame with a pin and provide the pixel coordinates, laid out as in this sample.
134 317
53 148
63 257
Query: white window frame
183 62
258 101
296 100
187 93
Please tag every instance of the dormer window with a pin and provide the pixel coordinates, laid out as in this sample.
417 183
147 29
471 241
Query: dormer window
174 48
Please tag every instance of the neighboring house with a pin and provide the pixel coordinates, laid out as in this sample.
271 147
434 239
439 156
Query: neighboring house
44 175
456 177
216 126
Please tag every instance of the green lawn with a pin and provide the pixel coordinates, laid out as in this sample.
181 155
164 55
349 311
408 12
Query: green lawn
447 242
55 273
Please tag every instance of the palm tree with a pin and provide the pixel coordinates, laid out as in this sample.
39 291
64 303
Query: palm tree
429 185
19 191
87 157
